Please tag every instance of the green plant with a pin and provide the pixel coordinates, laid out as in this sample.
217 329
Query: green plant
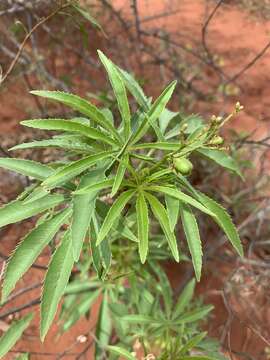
140 308
137 166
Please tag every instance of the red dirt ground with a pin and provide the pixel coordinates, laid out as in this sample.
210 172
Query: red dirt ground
237 37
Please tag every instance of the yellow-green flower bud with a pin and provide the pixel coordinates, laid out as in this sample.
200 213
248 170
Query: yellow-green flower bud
238 107
184 127
217 140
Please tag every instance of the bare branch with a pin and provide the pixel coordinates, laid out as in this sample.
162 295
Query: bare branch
27 37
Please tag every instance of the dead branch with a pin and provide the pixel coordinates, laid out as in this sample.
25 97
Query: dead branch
27 37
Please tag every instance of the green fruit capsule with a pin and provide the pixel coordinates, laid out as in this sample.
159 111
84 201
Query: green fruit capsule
183 165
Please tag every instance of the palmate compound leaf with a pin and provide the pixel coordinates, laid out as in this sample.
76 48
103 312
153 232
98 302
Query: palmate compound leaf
119 91
167 146
13 334
194 315
101 254
117 310
158 174
162 216
122 225
86 14
81 105
99 185
192 343
56 279
76 143
117 350
184 299
198 357
29 249
23 356
83 208
78 286
17 210
153 114
143 225
194 124
192 234
120 173
173 206
221 158
73 169
164 286
134 88
142 319
26 167
103 328
69 126
165 118
224 220
175 193
113 214
37 194
81 307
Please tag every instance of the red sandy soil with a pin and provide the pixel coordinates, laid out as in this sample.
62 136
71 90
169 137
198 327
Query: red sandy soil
237 37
